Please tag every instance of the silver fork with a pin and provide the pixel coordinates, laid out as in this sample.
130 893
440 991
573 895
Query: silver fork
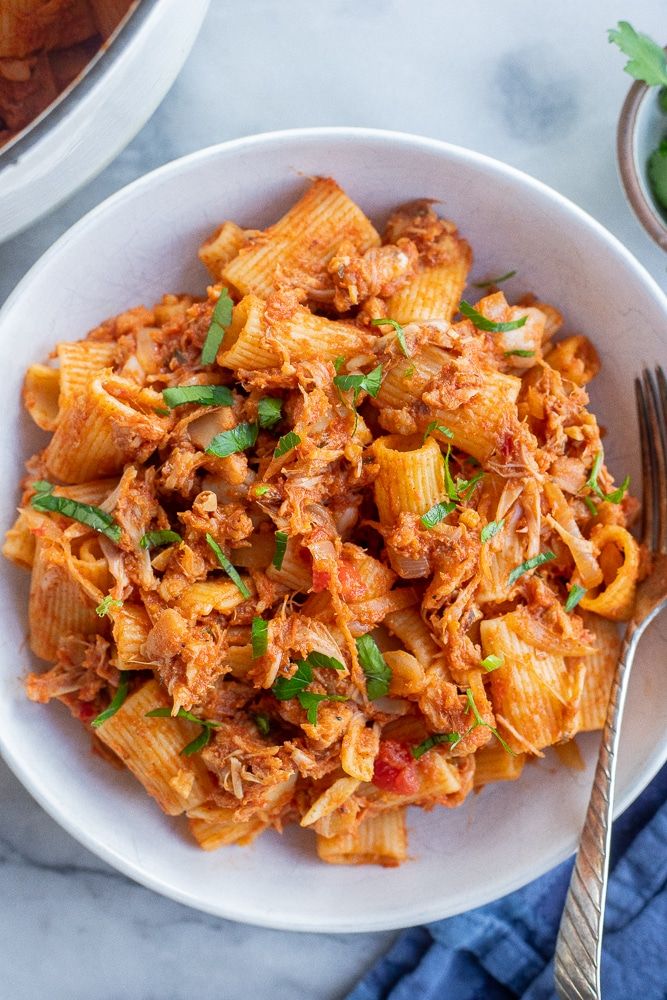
579 944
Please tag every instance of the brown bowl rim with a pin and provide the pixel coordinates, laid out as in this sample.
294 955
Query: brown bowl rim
643 208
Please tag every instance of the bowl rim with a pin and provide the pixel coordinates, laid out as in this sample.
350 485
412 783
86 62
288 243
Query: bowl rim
95 70
642 206
427 911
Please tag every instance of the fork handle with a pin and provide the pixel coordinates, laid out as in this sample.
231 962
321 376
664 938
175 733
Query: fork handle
579 944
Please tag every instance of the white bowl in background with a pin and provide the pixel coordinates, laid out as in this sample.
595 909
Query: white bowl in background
143 242
98 115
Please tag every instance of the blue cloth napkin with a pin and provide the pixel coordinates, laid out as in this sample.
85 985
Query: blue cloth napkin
505 950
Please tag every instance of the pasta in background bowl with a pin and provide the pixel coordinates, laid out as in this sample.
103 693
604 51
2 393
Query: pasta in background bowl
510 833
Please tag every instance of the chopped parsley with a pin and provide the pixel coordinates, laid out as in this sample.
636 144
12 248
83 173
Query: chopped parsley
259 636
237 439
592 482
269 411
490 282
154 539
491 529
260 490
432 741
400 333
203 395
295 686
479 721
84 513
437 513
106 604
529 564
519 353
435 426
338 363
117 701
220 320
492 662
482 323
281 548
375 667
358 382
573 598
647 61
230 570
199 742
263 723
286 443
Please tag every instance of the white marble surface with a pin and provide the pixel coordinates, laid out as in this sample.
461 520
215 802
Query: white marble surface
533 84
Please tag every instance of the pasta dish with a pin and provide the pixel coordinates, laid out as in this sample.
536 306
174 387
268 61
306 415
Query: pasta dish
44 46
336 539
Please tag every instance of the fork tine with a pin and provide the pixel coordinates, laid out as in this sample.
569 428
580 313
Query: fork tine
658 446
648 500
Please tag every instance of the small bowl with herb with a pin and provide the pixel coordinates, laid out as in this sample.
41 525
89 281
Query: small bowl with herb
642 130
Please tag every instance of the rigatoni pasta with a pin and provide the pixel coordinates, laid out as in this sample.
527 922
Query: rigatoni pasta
311 549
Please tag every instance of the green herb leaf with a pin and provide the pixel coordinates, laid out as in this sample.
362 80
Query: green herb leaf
263 723
479 721
490 282
154 539
269 411
117 701
376 669
436 514
285 688
260 490
338 363
237 439
591 506
203 395
317 659
41 486
400 333
482 323
491 529
106 604
230 570
259 635
492 662
84 513
573 598
529 564
368 383
452 492
281 548
464 487
198 743
435 426
617 495
657 168
311 701
409 372
220 320
519 353
161 411
592 481
286 443
432 741
647 60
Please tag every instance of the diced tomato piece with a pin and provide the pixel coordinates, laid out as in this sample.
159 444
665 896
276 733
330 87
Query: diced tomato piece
321 580
395 768
352 586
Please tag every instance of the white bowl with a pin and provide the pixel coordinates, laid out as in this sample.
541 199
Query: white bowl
142 242
95 118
